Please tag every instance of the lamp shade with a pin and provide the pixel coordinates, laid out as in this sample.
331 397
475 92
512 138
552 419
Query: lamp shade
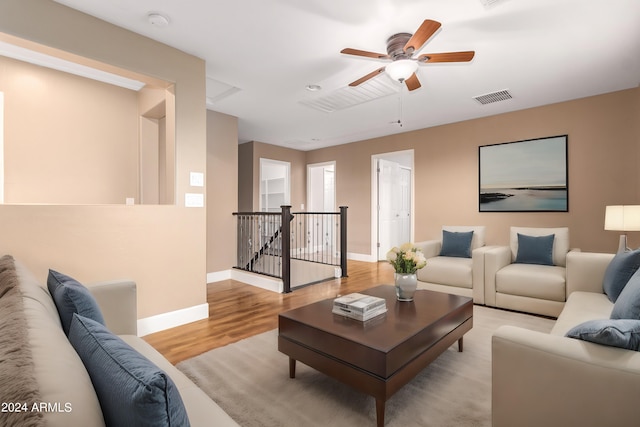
622 218
401 69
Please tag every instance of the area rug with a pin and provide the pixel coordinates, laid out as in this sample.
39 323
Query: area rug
250 381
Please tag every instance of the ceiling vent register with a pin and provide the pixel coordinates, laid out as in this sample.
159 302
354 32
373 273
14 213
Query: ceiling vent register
489 98
346 97
489 2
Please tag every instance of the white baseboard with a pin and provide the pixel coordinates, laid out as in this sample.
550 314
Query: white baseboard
169 320
361 257
218 276
264 282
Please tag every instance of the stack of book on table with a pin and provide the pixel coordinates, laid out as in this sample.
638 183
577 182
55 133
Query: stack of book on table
359 306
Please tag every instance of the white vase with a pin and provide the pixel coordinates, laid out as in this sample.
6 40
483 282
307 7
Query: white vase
406 285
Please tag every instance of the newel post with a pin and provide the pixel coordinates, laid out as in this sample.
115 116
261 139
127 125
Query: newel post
343 240
286 247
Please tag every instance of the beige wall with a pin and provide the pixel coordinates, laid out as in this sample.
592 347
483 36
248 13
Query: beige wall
250 154
162 248
604 140
245 177
60 141
222 190
94 243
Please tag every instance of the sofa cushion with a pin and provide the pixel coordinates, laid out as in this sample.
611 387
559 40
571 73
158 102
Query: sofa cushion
452 271
560 241
532 280
54 359
131 389
70 297
479 232
627 306
456 244
202 411
623 333
580 307
535 249
619 271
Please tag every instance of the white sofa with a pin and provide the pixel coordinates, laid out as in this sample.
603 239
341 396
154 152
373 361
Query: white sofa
61 378
455 275
533 288
550 380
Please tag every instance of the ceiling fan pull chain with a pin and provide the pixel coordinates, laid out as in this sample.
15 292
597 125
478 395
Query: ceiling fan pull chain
401 109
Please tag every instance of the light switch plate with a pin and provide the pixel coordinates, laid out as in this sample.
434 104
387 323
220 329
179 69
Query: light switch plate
194 200
196 179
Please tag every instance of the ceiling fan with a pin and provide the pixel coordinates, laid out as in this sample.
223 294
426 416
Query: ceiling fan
400 50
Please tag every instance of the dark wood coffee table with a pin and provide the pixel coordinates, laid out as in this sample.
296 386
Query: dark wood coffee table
379 356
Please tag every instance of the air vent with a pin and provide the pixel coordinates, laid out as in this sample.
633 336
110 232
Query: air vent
489 2
489 98
217 90
348 96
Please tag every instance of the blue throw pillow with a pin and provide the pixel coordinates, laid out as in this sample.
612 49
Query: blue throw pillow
623 333
627 306
456 244
70 296
535 250
619 271
132 391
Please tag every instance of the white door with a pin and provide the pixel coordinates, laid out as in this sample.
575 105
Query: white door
394 206
404 209
321 197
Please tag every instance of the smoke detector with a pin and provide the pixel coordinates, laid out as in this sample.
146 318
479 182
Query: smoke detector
157 19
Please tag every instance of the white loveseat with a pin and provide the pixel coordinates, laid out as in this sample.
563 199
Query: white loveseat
63 385
551 380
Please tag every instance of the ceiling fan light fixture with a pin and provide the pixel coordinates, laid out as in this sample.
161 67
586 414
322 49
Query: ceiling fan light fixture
401 69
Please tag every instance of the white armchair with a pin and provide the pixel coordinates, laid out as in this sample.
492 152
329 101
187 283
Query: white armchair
458 275
516 278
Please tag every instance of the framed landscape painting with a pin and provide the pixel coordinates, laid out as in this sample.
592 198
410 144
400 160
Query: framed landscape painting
524 176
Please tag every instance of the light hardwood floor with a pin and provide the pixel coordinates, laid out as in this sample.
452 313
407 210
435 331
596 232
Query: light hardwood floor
238 310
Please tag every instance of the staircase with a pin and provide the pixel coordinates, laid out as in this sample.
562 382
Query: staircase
297 248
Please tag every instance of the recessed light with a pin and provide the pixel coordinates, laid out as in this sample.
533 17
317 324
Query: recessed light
313 88
157 19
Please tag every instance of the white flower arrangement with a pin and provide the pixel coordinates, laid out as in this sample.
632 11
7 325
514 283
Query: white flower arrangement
407 259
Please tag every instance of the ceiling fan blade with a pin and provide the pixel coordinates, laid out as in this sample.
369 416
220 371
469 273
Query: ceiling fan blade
412 82
447 57
422 34
367 77
357 52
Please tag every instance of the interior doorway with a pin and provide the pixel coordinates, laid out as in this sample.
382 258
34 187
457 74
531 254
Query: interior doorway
157 155
321 187
275 189
321 197
392 201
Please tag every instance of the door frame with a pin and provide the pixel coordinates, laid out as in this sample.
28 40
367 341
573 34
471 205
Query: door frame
309 186
392 156
265 163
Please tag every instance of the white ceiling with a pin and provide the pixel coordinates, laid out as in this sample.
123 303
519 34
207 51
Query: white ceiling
261 54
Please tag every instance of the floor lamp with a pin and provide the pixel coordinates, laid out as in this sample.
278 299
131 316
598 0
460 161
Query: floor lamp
622 218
